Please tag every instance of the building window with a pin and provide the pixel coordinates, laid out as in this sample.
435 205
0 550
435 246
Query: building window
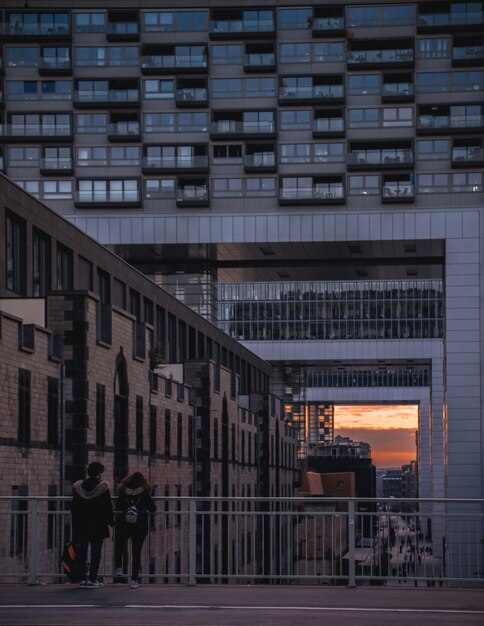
52 411
243 187
179 436
397 116
158 89
226 87
119 294
15 253
41 263
139 423
296 120
467 182
91 123
30 186
363 118
364 185
56 190
100 416
84 274
22 57
90 22
110 190
290 19
182 21
24 406
433 183
226 54
19 521
65 273
167 432
433 149
152 430
23 157
363 84
433 48
160 188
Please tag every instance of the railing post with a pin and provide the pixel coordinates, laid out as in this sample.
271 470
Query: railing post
192 542
33 544
351 544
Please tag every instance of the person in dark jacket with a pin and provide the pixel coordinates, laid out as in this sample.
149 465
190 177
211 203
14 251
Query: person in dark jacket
132 506
92 514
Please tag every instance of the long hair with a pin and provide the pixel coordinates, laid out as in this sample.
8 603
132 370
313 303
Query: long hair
134 480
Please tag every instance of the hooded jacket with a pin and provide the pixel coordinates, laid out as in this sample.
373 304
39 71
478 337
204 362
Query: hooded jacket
92 511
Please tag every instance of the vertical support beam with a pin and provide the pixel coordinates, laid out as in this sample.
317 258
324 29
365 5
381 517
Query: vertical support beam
33 543
351 544
192 542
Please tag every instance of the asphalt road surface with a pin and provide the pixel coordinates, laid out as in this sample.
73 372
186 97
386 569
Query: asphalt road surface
224 605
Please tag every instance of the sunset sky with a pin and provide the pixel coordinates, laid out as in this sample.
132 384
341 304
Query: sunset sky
390 430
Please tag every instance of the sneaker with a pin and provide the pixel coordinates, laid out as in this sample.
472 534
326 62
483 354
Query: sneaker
134 584
83 584
94 584
118 571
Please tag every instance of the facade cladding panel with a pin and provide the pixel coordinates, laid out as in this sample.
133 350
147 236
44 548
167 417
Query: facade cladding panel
308 177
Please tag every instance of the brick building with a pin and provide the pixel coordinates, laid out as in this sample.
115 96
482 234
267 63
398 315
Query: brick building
99 363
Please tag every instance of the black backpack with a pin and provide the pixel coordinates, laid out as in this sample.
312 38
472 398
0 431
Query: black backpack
70 563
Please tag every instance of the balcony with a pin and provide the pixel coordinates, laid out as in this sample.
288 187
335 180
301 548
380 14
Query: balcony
106 98
384 158
397 192
260 162
192 196
397 92
467 156
231 129
366 59
62 166
446 21
259 62
467 55
52 66
36 132
242 28
107 199
175 164
328 26
312 95
331 193
186 97
173 63
328 127
124 131
122 31
442 124
29 31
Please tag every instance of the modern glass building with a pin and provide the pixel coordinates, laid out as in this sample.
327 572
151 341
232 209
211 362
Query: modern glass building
309 176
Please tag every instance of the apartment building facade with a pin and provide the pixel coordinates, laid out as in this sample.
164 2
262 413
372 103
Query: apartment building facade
308 176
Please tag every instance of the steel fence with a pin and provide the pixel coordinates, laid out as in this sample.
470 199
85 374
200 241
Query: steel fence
302 540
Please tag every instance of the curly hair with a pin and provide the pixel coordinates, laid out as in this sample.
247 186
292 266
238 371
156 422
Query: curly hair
133 480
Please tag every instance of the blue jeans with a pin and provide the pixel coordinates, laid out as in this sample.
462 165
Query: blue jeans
96 549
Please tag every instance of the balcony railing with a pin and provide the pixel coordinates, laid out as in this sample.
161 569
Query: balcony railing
303 540
365 57
328 126
121 29
124 130
384 157
467 155
192 196
328 25
470 18
228 27
259 60
266 160
314 93
171 62
191 96
107 197
114 96
50 64
312 195
232 127
175 163
444 122
397 91
45 29
398 192
468 54
57 165
35 130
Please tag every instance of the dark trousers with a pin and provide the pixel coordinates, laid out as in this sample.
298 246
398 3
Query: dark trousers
96 549
137 533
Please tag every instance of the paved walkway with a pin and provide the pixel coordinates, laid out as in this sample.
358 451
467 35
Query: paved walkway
234 605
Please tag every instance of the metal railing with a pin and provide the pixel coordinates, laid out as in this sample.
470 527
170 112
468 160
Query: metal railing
312 540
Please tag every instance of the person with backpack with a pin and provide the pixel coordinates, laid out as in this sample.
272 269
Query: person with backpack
92 514
132 506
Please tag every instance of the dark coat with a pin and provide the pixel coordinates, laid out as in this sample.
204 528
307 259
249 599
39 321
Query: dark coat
143 501
92 510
